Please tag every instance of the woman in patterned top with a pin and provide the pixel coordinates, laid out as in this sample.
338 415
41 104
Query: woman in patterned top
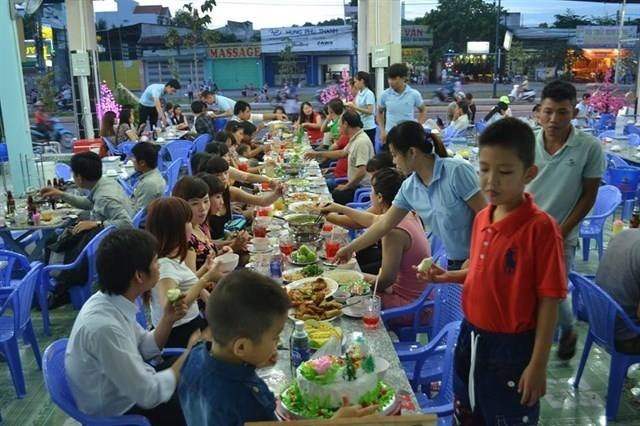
195 192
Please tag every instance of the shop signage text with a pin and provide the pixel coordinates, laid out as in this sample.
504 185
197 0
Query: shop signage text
416 35
233 52
307 39
605 36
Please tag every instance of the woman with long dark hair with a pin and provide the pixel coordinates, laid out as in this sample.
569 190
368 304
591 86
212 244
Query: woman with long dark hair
310 121
444 192
169 220
107 126
126 130
178 119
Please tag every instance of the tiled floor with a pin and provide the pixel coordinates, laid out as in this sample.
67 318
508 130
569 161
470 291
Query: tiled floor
563 405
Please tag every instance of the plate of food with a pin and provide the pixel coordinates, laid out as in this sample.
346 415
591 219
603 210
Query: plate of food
354 307
304 256
349 281
308 298
302 206
297 182
308 271
303 196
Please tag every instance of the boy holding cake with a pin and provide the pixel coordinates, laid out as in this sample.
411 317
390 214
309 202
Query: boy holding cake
513 283
219 385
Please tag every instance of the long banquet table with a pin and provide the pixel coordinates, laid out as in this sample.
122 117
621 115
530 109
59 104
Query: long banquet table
279 376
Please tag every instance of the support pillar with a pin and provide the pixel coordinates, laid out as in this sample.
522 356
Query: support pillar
13 105
82 44
363 39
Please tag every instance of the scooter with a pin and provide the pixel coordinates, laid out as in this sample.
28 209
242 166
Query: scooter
58 133
528 95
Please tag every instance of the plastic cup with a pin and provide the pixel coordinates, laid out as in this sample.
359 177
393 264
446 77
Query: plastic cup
259 227
331 247
371 312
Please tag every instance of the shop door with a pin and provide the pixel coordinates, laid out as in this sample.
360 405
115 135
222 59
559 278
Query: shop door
237 73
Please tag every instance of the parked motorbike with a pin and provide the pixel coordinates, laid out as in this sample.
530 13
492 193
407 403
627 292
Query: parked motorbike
528 95
58 133
447 92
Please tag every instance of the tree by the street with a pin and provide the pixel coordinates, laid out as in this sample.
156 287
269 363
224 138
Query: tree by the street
570 20
196 21
455 22
287 63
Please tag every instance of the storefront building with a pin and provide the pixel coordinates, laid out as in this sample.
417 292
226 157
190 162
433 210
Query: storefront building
235 65
599 46
318 54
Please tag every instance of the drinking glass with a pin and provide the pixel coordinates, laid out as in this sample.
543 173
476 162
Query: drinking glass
371 312
259 227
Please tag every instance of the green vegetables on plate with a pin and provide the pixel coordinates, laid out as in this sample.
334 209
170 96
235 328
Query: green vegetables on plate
304 255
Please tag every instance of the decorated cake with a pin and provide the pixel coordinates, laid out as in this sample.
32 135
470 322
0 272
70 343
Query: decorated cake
322 383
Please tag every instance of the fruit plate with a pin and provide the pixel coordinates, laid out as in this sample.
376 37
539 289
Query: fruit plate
287 414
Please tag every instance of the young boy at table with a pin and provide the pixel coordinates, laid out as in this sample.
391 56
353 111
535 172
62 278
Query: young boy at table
219 386
513 283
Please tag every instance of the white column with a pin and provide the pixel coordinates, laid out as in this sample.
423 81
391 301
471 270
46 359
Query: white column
15 115
363 40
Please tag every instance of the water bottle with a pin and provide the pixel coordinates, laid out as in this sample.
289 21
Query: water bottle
275 267
299 346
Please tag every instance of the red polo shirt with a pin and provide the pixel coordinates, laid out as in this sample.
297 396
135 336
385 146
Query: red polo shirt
513 263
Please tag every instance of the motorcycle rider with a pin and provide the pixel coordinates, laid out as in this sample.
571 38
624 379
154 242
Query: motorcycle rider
42 120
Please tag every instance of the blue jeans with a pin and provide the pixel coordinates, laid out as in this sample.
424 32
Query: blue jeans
500 360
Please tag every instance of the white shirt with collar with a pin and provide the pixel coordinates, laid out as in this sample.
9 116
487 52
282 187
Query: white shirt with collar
105 359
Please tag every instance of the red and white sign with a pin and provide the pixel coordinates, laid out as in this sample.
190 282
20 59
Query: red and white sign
234 52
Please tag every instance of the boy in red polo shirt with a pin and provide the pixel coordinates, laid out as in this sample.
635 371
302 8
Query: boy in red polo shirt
512 286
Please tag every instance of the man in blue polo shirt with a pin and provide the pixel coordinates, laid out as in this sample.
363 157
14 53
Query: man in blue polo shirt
150 106
399 102
221 104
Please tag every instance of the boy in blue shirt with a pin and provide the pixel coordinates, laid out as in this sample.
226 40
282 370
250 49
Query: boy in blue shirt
219 386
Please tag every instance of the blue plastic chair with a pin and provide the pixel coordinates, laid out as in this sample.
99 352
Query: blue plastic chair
200 143
173 173
55 378
128 189
126 148
614 160
480 126
592 226
220 123
603 313
113 150
63 171
362 194
626 179
79 294
606 122
139 218
14 261
19 325
176 150
438 351
631 129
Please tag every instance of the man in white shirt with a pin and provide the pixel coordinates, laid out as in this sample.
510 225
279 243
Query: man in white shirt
107 349
150 105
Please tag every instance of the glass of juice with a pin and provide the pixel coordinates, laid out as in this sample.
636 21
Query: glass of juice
287 245
371 312
259 227
331 247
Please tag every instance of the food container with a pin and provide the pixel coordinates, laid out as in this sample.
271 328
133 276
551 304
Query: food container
228 262
305 227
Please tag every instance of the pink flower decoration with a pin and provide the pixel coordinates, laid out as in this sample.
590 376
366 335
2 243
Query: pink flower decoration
322 364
